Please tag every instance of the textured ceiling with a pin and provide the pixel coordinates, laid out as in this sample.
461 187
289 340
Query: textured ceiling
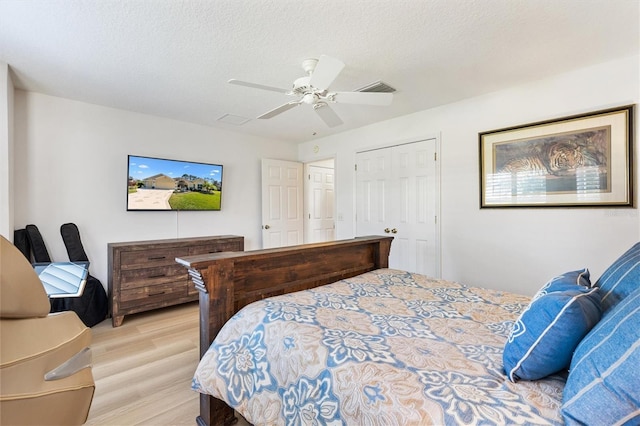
172 58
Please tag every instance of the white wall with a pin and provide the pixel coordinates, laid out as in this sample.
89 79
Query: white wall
513 249
71 166
6 152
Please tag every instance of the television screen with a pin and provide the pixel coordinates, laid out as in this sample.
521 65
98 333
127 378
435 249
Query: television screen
162 184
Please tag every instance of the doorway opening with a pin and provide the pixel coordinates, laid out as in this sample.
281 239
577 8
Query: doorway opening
298 202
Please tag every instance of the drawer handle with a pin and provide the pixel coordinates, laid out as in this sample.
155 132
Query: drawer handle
156 294
157 258
157 276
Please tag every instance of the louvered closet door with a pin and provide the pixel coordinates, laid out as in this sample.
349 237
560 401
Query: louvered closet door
397 193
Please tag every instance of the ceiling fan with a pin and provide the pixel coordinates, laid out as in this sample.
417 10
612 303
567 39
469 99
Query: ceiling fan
313 89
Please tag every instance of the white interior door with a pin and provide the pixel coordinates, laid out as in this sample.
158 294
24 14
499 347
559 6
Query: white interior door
282 203
373 176
414 217
320 224
397 194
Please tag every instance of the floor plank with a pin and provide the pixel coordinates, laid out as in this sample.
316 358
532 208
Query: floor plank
143 369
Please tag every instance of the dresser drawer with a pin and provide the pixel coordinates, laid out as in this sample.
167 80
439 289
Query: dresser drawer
153 294
152 257
134 278
214 248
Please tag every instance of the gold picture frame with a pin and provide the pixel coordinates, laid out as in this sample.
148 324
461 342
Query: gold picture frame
578 161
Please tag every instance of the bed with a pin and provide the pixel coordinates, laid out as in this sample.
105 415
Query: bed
328 334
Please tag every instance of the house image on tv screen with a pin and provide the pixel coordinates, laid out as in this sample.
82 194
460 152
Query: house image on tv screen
160 184
159 181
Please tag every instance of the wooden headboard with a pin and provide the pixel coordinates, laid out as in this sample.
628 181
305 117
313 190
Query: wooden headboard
229 281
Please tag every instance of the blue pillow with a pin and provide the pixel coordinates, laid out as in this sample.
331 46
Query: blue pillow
603 386
543 339
621 278
559 283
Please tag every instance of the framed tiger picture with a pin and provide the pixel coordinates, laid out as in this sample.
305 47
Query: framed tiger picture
578 161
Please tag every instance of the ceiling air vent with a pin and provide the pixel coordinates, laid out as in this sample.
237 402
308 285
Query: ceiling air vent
378 87
234 119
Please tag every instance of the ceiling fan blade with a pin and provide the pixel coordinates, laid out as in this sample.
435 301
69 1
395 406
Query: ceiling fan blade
364 98
258 86
327 115
279 110
326 71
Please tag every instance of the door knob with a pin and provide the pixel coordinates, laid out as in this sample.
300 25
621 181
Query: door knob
394 231
387 230
267 227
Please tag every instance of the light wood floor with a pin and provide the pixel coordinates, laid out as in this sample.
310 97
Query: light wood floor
143 369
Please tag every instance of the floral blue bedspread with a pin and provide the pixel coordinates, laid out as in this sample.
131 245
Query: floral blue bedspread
384 348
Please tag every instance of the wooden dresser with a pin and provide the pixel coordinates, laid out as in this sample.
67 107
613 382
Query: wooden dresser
144 275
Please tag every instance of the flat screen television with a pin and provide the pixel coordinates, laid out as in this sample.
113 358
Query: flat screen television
158 184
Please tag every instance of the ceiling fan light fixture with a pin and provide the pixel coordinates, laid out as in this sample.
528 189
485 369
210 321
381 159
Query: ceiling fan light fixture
310 98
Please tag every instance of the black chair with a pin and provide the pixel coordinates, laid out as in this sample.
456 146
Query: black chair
21 241
93 305
38 248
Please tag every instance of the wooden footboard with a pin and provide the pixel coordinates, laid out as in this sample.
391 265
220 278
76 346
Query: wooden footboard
231 280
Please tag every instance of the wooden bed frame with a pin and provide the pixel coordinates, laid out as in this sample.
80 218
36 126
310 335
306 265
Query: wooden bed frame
231 280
